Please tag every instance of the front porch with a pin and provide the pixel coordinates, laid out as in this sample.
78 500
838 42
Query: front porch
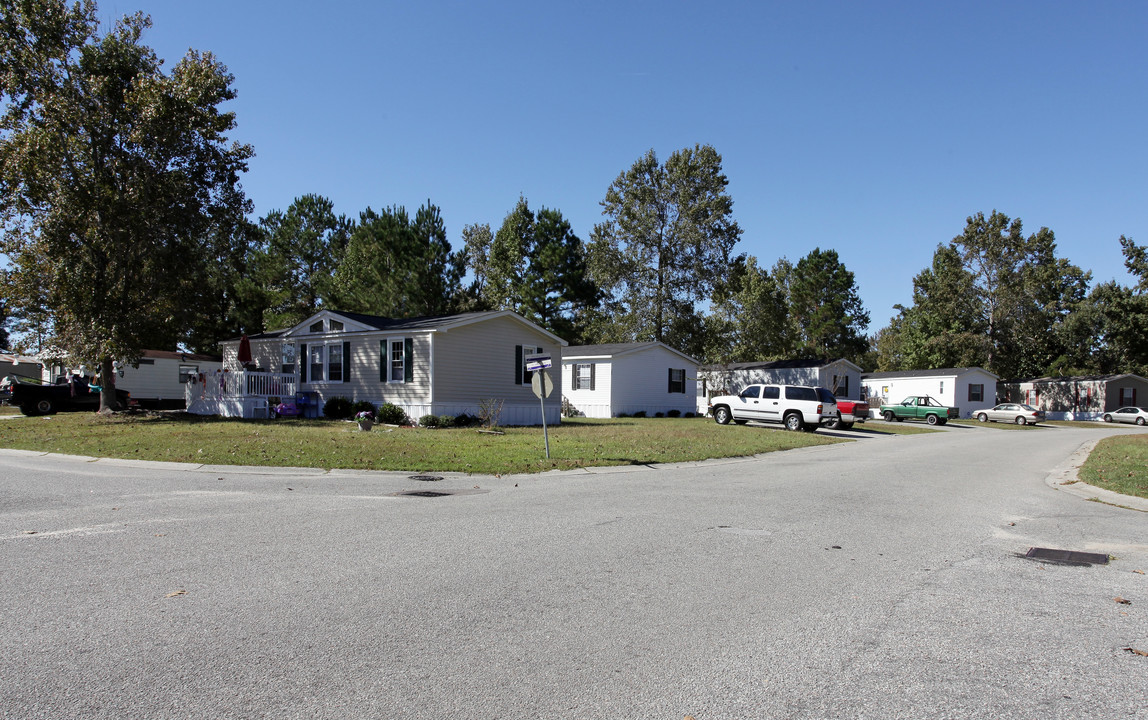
245 394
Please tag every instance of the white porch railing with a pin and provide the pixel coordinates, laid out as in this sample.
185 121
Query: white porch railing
225 384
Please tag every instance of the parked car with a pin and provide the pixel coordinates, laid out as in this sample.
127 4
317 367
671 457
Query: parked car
1128 414
920 407
38 399
1018 413
797 407
849 412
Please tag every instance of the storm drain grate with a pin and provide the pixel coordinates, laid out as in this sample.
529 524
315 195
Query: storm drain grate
425 478
1066 557
423 493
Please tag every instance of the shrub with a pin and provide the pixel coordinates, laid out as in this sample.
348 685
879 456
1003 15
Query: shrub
363 406
446 421
429 421
640 414
659 414
622 415
337 408
674 413
391 414
689 415
490 411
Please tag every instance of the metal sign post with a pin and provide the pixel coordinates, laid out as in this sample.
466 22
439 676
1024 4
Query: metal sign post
542 386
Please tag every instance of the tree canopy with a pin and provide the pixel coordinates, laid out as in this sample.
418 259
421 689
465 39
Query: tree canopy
114 175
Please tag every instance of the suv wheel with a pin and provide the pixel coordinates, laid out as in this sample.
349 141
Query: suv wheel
722 415
793 422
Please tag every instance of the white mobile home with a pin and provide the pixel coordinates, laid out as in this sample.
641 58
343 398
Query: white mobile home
626 378
840 376
968 389
1082 397
157 380
444 365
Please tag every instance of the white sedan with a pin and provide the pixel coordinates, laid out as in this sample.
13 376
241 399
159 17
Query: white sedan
1129 414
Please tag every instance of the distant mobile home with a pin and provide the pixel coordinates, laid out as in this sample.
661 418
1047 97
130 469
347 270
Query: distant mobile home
159 379
1079 397
625 378
968 389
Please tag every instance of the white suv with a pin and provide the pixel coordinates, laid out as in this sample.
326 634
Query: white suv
797 407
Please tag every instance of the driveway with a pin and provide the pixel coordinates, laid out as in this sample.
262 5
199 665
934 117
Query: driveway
878 579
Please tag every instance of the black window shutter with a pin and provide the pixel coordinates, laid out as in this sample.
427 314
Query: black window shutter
346 361
384 358
517 364
592 366
671 386
303 362
408 360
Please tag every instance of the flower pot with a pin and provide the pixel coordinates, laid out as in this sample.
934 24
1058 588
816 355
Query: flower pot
365 425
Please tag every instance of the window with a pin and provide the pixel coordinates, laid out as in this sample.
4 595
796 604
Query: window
398 362
751 392
678 380
976 392
335 363
841 386
796 392
522 376
1127 396
317 362
186 372
584 376
942 390
335 325
287 364
316 327
771 392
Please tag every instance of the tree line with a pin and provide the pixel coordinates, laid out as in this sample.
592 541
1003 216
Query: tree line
126 227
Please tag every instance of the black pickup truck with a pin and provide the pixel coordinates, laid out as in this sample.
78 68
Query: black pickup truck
37 399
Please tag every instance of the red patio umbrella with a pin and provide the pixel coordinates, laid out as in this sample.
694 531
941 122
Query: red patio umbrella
244 351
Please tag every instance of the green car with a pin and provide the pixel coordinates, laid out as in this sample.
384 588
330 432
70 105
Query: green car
920 407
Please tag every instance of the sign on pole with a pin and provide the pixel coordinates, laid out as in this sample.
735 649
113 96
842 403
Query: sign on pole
542 386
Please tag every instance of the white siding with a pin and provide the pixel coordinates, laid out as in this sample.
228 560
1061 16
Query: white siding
590 403
159 379
949 390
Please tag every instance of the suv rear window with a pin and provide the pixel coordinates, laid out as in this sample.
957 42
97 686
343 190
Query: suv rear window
794 392
826 396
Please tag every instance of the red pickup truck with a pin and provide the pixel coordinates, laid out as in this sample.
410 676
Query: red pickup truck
849 412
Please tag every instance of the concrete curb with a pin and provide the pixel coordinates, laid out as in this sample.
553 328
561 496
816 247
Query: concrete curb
1065 477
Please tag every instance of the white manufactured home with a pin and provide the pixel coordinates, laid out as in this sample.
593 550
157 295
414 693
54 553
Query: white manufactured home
158 379
968 389
1079 397
840 376
443 365
616 379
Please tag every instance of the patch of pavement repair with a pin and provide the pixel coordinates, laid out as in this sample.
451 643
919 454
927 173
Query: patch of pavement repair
1065 477
442 492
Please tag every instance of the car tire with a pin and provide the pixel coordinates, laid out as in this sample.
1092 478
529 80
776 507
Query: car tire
722 415
889 416
794 422
931 419
44 407
983 417
1140 421
1020 420
1107 418
834 423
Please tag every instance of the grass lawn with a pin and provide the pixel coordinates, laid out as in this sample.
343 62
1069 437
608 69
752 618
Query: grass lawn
1119 464
337 444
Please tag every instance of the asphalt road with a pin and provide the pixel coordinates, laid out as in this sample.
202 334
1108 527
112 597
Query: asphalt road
876 579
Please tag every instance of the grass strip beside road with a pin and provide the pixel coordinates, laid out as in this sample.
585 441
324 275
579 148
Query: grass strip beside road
575 443
1119 464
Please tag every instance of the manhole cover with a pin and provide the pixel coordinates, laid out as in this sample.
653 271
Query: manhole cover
425 478
1066 557
423 493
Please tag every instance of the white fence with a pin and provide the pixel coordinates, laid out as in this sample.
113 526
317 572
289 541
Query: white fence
225 384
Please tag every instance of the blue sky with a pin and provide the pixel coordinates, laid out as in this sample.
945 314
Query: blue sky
874 129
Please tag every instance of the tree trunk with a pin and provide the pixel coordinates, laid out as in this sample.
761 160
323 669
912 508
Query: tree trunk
108 399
